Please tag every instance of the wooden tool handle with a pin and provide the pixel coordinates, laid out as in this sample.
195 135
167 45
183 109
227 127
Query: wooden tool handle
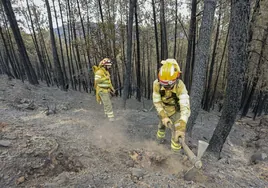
192 157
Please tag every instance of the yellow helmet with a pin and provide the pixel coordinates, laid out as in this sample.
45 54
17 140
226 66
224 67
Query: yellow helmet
105 61
169 72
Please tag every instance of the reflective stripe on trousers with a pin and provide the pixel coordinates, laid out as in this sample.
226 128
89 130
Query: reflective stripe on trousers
108 109
175 146
161 134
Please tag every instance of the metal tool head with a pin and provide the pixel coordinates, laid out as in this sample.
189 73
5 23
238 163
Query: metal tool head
202 147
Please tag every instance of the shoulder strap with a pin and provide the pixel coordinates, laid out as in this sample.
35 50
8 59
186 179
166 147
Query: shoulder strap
162 92
176 96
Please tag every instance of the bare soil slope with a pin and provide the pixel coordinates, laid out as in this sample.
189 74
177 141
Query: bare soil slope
52 138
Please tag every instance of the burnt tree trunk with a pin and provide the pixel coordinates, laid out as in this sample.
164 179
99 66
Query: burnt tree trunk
200 67
127 76
61 48
208 92
138 62
237 60
248 98
39 54
175 34
190 51
163 31
60 77
31 75
66 45
252 24
156 37
9 59
211 101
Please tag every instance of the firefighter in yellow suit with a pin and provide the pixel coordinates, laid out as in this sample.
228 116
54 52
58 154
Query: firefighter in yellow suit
171 100
104 87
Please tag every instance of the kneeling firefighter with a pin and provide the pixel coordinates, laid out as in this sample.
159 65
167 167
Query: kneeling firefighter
171 100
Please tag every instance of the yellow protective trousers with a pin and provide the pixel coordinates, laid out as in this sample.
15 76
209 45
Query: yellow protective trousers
161 133
108 109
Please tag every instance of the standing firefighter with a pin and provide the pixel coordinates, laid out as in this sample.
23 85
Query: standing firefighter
171 101
104 87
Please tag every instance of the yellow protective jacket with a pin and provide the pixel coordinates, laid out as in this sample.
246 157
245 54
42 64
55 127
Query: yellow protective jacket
167 102
102 82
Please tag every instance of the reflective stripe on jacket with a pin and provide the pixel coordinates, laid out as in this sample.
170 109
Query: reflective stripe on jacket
102 82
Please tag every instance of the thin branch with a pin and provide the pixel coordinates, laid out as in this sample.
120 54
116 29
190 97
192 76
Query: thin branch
183 28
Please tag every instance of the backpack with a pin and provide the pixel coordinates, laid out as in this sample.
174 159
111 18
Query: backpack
95 68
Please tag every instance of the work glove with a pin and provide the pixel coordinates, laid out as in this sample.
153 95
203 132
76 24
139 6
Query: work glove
180 131
179 134
166 121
